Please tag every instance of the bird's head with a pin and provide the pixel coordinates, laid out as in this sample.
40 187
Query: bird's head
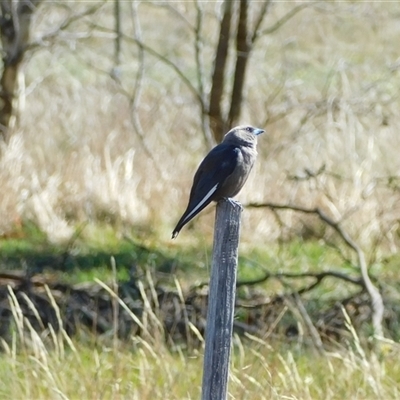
244 134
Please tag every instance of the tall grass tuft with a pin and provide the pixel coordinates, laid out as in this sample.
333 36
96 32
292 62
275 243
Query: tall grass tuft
47 363
327 97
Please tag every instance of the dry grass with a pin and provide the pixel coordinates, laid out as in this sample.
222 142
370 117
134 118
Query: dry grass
324 86
49 364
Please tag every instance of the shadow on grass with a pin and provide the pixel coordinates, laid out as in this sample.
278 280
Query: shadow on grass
32 252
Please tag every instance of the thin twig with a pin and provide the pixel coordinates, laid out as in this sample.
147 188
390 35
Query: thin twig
164 59
376 298
134 98
260 18
282 21
319 276
65 24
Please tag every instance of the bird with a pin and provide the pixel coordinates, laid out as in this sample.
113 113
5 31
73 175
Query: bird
223 172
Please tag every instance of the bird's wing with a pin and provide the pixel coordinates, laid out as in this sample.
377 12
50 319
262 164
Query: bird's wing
219 163
216 167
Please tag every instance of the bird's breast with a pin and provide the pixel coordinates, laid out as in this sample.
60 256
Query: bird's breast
234 182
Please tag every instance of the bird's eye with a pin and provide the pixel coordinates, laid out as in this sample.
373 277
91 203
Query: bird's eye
248 129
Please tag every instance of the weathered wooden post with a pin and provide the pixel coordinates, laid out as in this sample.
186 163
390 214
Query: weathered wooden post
221 301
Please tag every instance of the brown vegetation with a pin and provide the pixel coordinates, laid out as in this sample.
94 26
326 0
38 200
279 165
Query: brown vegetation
117 102
136 308
97 144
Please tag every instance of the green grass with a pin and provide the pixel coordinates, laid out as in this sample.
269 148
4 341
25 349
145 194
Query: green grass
43 366
89 254
143 370
79 188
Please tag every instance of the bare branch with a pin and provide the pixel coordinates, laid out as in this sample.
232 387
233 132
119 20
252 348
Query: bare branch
318 276
284 19
174 11
200 75
376 298
68 21
160 57
117 18
340 252
243 49
217 120
263 12
134 99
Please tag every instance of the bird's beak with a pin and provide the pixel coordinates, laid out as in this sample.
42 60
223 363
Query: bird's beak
258 131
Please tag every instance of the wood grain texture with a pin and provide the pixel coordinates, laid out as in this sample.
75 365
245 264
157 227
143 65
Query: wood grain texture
221 302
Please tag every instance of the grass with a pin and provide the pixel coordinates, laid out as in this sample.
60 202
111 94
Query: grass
86 172
326 96
52 365
43 365
88 255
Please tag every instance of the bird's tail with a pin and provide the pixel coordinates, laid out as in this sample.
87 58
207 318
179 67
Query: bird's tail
175 233
182 222
188 215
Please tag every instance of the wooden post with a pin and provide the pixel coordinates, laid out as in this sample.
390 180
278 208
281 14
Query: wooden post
221 301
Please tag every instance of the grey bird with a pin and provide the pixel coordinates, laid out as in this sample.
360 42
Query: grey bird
223 172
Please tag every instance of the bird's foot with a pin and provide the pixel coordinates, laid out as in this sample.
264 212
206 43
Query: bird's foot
233 202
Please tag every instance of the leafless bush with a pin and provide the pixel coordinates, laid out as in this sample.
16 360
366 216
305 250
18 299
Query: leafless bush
95 140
